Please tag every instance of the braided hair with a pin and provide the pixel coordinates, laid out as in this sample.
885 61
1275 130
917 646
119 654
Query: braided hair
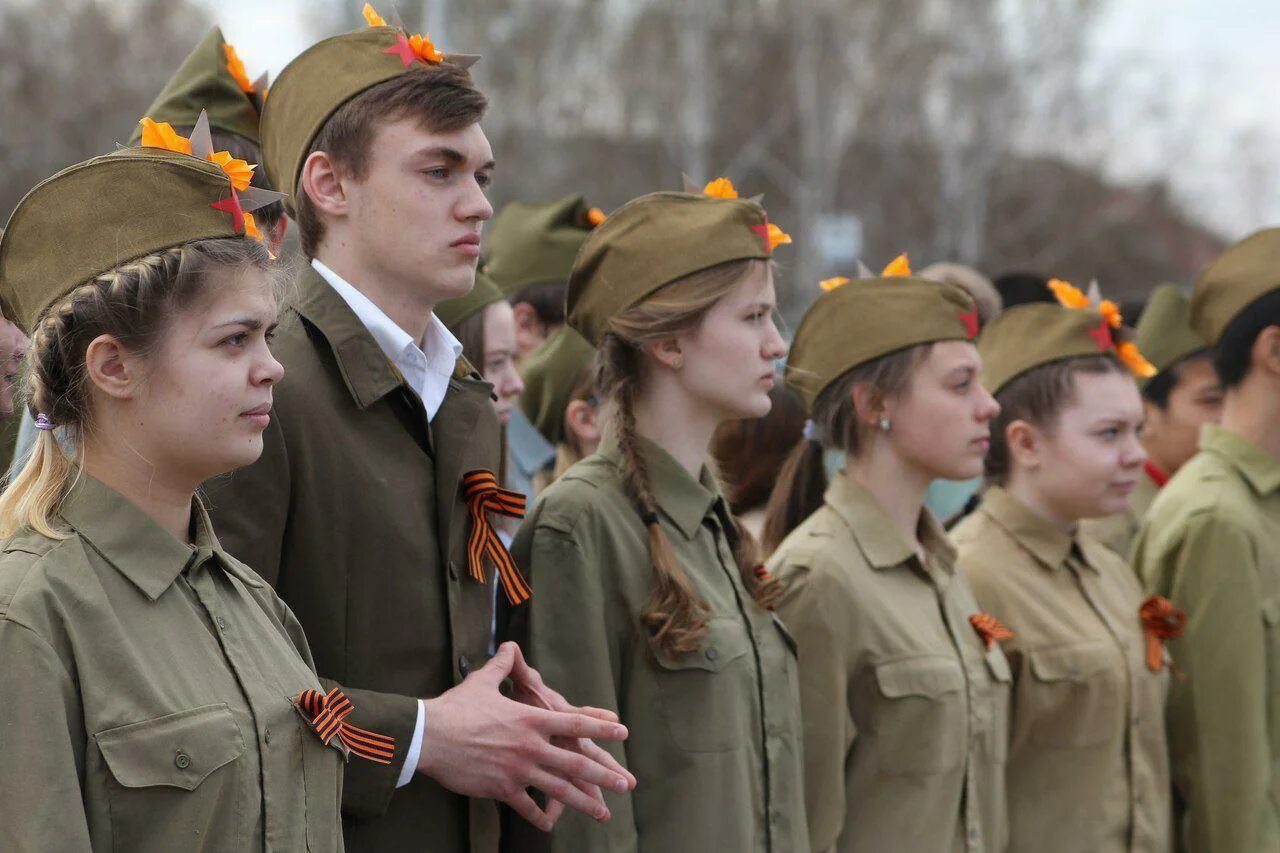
675 615
134 303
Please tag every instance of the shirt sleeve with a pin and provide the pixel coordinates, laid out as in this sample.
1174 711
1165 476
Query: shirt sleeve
41 747
815 612
1218 713
415 749
564 629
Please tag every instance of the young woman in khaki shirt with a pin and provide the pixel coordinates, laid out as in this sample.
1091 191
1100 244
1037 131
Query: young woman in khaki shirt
904 691
157 694
646 599
1088 768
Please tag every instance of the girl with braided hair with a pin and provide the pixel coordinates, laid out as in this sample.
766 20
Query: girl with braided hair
157 694
648 598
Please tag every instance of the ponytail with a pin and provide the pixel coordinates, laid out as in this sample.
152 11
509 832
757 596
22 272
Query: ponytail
32 498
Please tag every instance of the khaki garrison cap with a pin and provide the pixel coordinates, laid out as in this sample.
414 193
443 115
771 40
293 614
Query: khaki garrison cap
550 376
451 312
1164 334
1238 277
534 243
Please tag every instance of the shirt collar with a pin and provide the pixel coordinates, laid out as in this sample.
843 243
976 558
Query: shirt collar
138 547
879 538
680 497
1258 467
1046 543
390 337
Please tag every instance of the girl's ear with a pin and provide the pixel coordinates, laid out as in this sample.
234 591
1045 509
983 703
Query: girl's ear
1025 444
868 403
667 352
114 370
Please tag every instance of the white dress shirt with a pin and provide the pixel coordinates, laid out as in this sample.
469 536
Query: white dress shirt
427 369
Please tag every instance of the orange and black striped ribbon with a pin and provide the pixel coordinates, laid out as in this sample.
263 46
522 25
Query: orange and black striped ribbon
1161 621
989 629
483 495
763 576
327 714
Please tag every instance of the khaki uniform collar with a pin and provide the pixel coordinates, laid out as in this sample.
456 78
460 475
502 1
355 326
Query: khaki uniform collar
1255 465
135 545
367 372
877 535
681 498
1047 544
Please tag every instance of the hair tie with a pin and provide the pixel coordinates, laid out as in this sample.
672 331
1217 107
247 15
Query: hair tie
649 517
811 432
43 422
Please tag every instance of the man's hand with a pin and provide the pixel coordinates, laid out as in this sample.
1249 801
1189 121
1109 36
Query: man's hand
479 743
532 690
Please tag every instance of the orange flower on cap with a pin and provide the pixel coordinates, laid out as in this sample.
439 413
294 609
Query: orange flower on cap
830 284
899 267
236 69
1111 311
721 188
162 135
777 237
239 171
374 19
595 217
1068 295
1128 352
425 49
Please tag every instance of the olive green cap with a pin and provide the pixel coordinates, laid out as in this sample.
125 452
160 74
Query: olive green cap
317 82
96 215
1164 333
859 321
451 312
1238 277
1026 336
204 81
534 243
652 241
550 375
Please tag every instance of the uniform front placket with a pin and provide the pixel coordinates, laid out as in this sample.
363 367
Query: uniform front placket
253 682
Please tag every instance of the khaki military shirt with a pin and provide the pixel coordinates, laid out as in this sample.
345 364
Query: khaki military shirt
1211 543
1088 769
1118 531
148 692
904 706
715 734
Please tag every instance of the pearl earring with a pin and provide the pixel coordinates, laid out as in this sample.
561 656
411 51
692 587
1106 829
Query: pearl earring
884 424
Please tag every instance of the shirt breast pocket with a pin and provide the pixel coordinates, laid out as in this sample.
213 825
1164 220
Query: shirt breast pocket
171 776
1072 698
707 695
919 722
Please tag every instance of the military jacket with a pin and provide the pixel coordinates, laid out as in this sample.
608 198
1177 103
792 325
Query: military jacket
1088 768
1211 543
905 706
148 691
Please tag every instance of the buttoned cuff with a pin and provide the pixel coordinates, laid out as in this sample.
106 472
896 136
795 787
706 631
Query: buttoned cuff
415 748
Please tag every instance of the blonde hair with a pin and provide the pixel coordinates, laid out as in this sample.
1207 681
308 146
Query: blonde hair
675 615
134 303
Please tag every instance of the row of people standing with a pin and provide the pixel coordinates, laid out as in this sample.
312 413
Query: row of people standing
852 693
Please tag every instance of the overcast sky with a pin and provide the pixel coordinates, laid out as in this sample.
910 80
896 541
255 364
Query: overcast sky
1217 58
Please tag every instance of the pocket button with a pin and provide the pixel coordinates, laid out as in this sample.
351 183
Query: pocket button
182 761
711 653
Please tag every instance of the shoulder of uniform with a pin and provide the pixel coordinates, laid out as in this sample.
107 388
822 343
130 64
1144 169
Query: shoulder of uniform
26 561
463 369
591 492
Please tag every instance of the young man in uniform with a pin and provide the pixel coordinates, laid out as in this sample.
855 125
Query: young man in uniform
1178 400
357 511
1211 543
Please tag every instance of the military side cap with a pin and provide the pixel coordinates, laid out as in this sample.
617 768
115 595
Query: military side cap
655 240
855 322
1027 336
1164 333
97 215
534 243
212 78
451 312
1238 277
549 376
325 76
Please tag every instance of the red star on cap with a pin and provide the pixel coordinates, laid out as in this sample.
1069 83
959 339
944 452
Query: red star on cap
970 320
1102 335
232 205
402 49
763 231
